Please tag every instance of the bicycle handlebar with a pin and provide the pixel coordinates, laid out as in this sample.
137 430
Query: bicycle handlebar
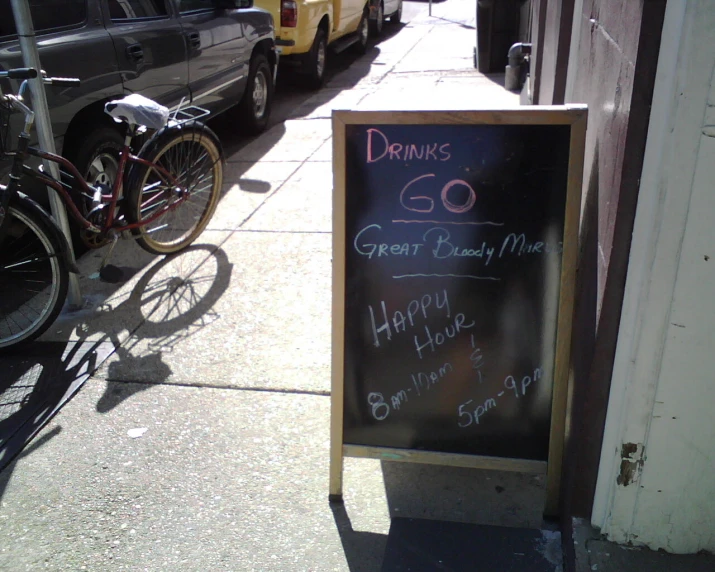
62 81
20 73
31 73
25 74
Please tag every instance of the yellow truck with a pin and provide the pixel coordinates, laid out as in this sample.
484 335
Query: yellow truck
305 29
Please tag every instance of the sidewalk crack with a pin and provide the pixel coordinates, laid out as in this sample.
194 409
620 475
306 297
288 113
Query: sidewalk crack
391 70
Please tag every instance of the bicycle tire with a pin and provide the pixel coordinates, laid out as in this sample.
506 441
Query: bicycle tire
29 253
185 152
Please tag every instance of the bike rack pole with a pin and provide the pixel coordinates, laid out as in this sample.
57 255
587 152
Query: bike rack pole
31 59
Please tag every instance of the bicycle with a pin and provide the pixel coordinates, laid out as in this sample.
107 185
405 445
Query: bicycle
163 197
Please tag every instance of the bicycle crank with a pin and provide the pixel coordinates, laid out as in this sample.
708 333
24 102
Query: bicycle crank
91 239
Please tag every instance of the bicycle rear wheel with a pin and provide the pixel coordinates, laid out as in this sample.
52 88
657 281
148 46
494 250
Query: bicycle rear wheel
33 277
192 154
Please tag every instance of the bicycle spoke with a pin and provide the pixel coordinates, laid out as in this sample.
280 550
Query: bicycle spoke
188 200
30 291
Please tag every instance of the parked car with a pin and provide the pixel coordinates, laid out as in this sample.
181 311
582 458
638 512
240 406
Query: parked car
305 29
380 10
217 54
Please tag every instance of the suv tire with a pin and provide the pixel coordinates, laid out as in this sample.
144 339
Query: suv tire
97 158
254 109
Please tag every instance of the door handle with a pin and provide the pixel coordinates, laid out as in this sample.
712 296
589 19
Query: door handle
194 40
135 52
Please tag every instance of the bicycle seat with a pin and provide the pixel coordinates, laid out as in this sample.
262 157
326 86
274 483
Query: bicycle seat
136 109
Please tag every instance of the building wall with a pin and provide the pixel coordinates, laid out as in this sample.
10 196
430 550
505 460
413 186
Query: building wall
611 67
656 485
553 52
538 30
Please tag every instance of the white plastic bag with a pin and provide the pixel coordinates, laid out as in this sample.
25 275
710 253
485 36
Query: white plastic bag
138 110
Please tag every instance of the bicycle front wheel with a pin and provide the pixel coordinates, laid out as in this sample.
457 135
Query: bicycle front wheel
191 154
33 277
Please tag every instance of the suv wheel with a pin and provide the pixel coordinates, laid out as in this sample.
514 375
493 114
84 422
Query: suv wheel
376 24
363 32
254 108
317 59
97 158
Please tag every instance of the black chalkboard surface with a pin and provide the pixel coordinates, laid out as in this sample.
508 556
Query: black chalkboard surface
452 236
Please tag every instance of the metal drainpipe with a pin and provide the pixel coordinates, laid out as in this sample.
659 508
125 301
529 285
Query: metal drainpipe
516 55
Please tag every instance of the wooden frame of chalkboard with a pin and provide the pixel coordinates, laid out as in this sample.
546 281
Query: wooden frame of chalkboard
507 184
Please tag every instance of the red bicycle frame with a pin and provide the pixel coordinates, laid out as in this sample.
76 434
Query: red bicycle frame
82 186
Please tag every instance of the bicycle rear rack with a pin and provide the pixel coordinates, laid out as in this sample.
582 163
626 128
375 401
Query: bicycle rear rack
185 114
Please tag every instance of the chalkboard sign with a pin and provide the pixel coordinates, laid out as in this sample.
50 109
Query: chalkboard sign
455 236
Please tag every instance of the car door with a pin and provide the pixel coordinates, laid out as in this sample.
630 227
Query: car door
350 13
150 48
218 53
66 31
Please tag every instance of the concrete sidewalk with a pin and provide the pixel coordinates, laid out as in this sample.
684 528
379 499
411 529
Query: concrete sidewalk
200 440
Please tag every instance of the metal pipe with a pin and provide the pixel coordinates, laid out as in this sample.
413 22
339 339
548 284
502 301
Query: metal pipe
515 56
31 59
517 52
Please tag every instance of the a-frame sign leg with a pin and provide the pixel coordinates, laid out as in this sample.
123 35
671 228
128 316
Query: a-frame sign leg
336 479
336 461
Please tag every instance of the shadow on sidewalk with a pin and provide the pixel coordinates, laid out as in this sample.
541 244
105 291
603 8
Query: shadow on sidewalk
452 518
171 301
6 474
363 550
36 383
460 24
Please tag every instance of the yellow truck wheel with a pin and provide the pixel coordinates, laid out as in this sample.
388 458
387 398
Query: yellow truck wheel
363 32
377 23
316 61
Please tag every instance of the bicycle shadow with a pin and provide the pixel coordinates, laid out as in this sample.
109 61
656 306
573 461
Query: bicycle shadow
171 300
35 384
41 442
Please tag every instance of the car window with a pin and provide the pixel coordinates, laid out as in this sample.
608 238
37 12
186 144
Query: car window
193 5
47 15
135 9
